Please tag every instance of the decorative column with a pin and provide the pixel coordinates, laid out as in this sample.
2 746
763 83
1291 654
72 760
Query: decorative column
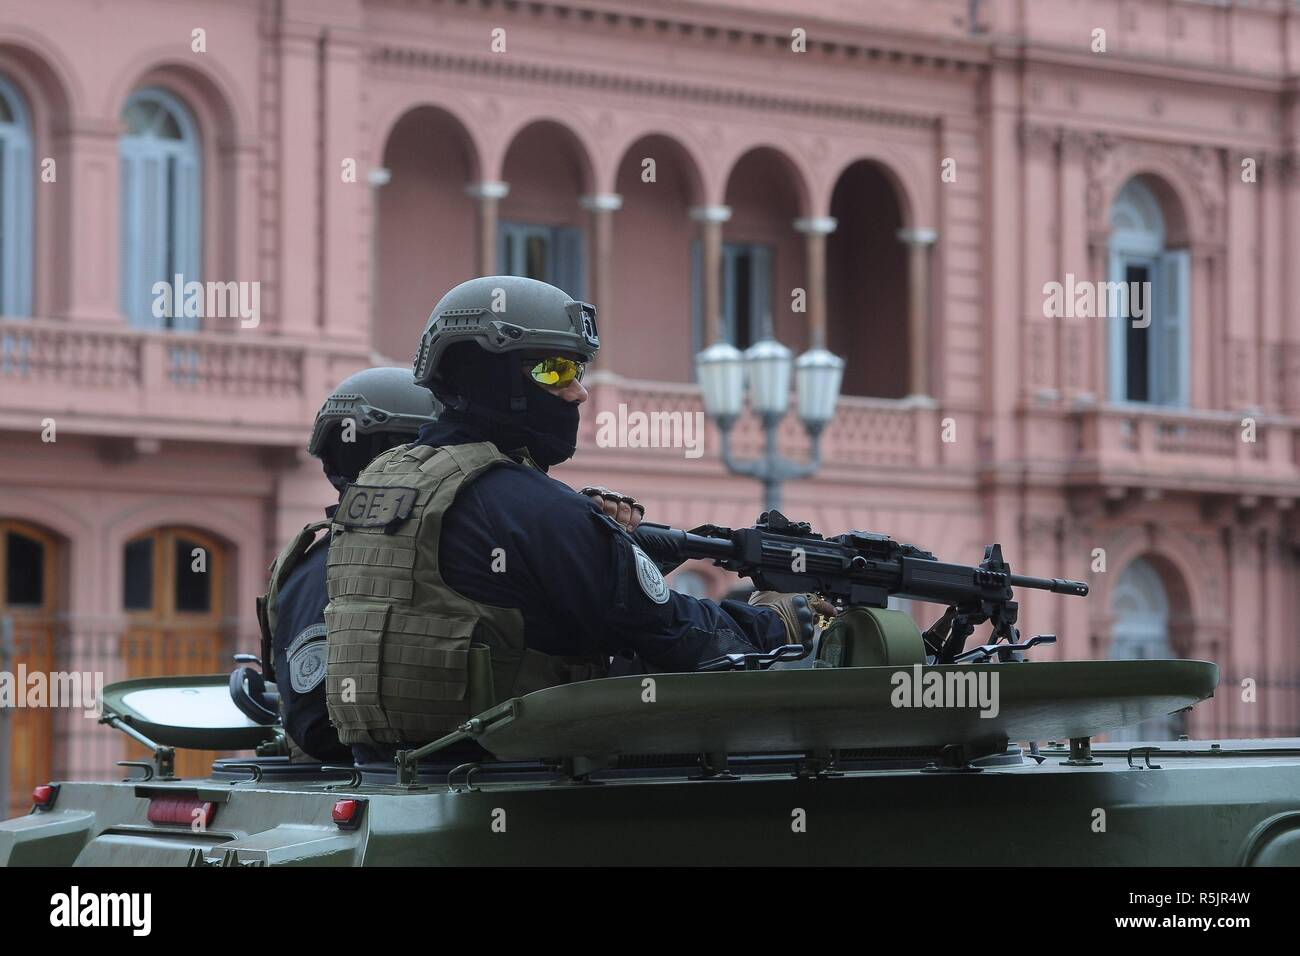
1278 282
918 242
1038 145
378 178
815 230
488 194
602 207
241 257
711 219
89 248
343 204
1289 360
1204 264
1073 354
301 194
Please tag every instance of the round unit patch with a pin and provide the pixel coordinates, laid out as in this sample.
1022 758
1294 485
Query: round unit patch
648 576
307 656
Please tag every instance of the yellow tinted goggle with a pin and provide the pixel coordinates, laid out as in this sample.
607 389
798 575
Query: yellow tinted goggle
557 372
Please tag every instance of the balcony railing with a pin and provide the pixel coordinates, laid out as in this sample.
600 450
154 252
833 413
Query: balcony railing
866 432
1201 450
123 381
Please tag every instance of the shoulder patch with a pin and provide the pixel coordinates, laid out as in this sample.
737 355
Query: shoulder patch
649 577
367 506
307 655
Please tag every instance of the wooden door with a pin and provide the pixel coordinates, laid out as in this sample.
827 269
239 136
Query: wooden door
172 595
28 599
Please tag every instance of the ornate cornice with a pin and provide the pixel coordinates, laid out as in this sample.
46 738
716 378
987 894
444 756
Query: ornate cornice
745 30
389 57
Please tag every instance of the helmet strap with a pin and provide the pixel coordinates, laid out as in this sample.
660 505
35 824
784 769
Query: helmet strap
518 400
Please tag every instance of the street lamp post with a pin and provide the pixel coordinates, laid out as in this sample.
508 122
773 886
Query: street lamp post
722 370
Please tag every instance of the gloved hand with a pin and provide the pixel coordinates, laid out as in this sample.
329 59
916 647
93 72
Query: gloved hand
796 612
624 509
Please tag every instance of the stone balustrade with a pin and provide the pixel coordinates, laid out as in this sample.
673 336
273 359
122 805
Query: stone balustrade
196 386
866 432
1249 453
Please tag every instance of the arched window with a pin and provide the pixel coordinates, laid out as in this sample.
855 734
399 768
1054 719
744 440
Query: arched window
15 203
172 593
161 190
1147 302
1140 606
30 600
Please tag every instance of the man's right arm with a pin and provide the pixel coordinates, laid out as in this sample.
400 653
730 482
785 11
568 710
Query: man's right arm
574 574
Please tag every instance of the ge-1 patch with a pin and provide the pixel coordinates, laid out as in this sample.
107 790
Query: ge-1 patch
365 506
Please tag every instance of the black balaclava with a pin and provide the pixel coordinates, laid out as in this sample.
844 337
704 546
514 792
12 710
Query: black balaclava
494 394
343 461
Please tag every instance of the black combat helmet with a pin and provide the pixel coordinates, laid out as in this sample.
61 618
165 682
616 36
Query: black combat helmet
386 408
503 314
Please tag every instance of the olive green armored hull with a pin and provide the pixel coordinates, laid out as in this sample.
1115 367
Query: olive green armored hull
842 708
817 766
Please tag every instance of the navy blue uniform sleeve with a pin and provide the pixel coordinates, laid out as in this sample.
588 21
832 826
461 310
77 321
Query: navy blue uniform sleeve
572 571
300 633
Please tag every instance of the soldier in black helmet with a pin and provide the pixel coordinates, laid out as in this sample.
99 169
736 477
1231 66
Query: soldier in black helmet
367 413
462 538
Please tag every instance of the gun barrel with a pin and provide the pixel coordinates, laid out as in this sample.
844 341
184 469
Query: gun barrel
1055 585
918 578
673 544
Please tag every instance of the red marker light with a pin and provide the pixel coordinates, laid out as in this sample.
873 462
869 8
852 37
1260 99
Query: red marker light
44 795
182 811
347 813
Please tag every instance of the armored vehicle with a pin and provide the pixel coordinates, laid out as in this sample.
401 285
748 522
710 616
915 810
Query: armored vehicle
873 744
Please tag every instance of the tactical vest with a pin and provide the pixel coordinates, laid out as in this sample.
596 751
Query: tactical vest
268 611
281 568
399 638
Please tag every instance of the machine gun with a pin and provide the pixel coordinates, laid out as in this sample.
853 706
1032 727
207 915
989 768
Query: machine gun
860 568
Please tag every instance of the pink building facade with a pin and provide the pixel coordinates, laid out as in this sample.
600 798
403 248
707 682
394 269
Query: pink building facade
899 181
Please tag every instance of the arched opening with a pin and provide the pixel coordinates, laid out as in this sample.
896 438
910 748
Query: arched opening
31 596
1146 298
762 258
867 284
542 231
174 591
653 236
161 207
425 228
16 192
37 84
1145 615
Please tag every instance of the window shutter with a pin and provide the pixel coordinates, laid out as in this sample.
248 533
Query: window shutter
569 271
7 259
153 224
23 181
131 236
1116 341
505 246
697 298
728 289
184 226
761 322
144 233
15 223
1172 344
